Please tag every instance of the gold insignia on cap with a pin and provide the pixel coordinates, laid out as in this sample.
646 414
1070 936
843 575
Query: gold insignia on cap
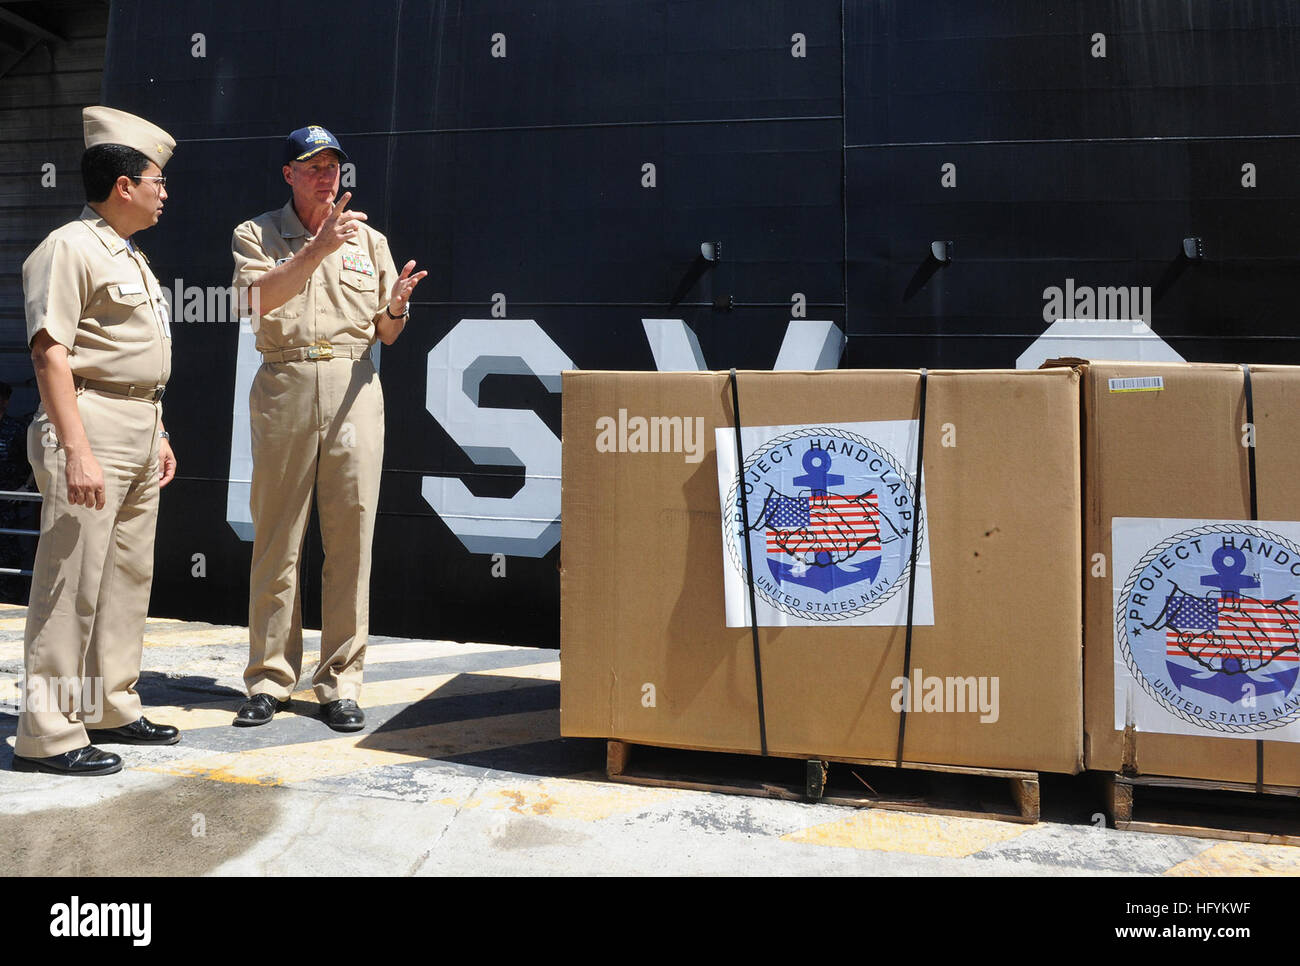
106 125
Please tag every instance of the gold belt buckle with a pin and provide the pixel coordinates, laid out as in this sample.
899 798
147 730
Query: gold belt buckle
321 350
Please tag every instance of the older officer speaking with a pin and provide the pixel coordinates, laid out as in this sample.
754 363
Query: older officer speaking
100 337
321 286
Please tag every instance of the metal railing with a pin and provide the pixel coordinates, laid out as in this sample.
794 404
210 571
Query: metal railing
18 496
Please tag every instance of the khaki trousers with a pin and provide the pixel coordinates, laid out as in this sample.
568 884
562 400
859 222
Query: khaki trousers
315 424
91 578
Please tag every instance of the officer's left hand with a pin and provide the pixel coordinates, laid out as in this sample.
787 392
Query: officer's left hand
403 288
166 463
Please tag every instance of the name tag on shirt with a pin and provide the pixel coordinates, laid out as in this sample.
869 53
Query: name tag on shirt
130 288
357 262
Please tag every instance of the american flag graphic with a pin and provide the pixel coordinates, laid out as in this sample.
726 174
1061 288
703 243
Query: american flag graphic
803 525
1251 630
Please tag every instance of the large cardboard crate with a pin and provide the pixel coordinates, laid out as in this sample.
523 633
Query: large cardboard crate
646 653
1171 442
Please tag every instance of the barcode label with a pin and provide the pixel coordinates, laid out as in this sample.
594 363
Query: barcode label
1138 384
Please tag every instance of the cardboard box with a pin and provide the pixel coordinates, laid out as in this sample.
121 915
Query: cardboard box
1165 442
647 657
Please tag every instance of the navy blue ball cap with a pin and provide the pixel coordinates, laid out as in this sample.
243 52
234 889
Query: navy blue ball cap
307 142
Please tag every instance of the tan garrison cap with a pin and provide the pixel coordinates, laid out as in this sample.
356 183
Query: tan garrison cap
105 125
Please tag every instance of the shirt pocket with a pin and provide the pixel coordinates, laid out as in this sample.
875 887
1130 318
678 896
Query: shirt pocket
124 313
359 292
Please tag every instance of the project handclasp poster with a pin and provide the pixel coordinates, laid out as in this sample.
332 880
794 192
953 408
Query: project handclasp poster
1207 627
833 515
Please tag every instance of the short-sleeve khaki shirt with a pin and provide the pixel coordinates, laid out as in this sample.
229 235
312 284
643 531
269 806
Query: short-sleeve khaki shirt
349 288
98 298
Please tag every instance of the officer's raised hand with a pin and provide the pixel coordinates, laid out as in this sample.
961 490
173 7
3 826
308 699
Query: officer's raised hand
403 288
339 225
390 322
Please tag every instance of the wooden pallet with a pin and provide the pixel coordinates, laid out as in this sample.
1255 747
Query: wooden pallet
1010 796
1207 809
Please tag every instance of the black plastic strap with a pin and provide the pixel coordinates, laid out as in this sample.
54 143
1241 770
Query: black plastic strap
1250 450
911 580
749 563
1254 515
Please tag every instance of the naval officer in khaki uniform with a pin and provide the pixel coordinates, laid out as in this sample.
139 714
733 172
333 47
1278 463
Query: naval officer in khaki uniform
100 337
320 286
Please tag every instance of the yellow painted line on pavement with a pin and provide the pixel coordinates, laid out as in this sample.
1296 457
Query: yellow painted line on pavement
888 831
427 650
550 671
377 693
186 635
220 712
192 717
284 764
380 653
12 650
431 686
204 714
1241 858
196 637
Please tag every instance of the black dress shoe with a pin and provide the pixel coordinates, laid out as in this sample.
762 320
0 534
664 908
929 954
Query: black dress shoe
140 732
343 715
258 710
84 761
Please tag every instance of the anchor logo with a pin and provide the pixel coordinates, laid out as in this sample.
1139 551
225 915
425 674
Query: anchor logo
833 538
830 518
1230 636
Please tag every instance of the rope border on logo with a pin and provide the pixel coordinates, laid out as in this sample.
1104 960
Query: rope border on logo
1122 630
729 512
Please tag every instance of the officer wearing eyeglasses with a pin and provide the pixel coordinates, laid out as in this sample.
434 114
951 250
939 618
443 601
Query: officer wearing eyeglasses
100 336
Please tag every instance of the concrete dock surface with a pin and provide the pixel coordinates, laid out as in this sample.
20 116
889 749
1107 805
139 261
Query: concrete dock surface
461 770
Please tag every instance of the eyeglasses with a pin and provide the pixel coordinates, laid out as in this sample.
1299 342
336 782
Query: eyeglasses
161 182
